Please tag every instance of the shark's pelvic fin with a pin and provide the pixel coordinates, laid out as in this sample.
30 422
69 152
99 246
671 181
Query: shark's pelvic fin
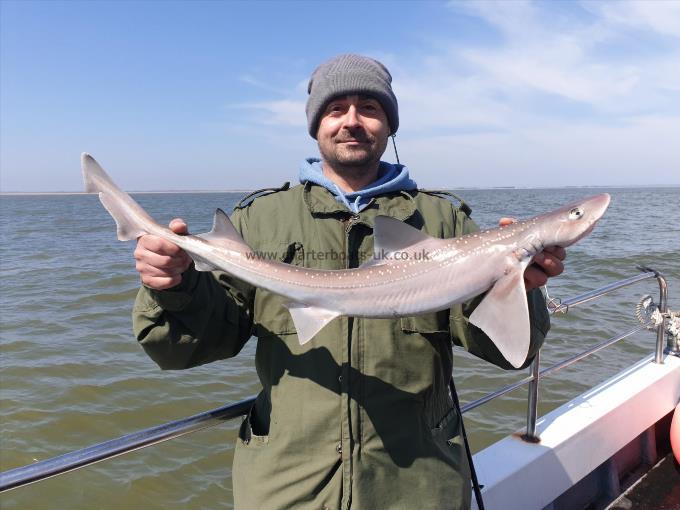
503 315
201 264
309 320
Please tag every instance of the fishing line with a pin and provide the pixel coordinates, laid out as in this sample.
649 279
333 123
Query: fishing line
473 473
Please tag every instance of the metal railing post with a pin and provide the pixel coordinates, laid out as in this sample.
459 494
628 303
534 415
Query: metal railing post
663 308
532 401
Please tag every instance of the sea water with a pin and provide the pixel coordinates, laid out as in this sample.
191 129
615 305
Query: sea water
72 374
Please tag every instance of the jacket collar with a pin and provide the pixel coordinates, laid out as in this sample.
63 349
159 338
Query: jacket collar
397 204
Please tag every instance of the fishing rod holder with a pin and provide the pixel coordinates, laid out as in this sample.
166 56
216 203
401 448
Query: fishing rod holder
558 306
649 315
22 476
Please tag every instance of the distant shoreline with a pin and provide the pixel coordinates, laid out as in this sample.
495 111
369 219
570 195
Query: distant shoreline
504 188
57 193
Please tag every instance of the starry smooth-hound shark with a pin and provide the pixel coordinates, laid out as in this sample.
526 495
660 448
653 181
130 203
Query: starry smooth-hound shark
401 282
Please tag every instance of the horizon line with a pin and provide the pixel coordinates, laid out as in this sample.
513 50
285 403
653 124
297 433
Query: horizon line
243 190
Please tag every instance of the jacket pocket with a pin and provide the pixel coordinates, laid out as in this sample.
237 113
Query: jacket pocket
448 428
429 323
246 432
270 316
448 442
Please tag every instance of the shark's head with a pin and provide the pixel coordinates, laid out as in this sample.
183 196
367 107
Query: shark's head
567 225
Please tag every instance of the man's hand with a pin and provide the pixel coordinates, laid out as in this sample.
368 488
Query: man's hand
546 264
161 263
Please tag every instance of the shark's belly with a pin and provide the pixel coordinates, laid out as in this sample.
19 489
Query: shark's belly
430 291
380 291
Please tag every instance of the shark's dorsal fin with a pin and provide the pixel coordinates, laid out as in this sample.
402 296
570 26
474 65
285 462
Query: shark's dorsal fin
392 235
224 233
503 315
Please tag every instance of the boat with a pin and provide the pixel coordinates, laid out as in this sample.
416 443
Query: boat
596 450
607 448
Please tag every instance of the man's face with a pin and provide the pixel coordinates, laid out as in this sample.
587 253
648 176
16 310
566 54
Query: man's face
353 131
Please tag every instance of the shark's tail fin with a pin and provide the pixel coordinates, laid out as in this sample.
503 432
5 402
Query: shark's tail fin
131 220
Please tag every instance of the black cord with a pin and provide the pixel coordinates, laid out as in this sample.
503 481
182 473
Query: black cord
394 144
473 473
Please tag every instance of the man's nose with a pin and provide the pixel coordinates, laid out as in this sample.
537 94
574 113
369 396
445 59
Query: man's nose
351 119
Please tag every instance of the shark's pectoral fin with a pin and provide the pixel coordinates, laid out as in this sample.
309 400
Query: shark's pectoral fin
503 315
309 320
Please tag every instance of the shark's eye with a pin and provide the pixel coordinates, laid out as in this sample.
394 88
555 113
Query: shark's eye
576 213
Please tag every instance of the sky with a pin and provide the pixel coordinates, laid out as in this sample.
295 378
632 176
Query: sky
211 95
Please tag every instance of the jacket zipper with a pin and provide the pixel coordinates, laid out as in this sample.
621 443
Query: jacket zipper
349 223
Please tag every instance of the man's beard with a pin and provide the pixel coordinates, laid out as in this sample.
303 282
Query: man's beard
353 158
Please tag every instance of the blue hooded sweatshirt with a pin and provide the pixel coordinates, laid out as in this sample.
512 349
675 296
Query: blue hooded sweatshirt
390 178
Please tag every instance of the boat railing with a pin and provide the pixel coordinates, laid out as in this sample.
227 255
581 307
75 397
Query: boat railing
61 464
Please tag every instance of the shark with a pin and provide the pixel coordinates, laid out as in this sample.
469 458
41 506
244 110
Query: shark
413 274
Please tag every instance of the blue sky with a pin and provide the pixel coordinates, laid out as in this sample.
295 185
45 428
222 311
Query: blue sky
210 95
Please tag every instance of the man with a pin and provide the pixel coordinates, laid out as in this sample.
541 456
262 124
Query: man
361 416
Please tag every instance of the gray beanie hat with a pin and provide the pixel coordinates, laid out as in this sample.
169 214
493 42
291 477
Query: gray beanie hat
350 74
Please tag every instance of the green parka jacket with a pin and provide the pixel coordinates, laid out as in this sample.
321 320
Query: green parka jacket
360 416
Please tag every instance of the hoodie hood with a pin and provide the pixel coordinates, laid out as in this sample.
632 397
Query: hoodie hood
391 178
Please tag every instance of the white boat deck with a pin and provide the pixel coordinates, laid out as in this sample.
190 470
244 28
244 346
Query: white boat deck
578 438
